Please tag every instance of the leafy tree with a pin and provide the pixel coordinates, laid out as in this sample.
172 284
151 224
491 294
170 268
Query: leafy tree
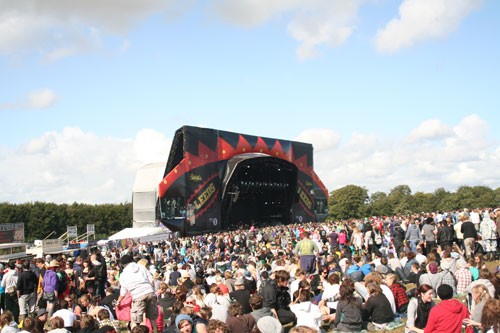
424 202
41 219
379 205
348 202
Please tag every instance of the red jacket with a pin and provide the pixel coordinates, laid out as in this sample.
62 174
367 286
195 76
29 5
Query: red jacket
447 317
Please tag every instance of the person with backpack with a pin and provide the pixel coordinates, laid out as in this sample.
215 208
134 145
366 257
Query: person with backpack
50 287
377 239
63 283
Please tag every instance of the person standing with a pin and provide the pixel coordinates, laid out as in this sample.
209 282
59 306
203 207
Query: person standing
49 285
458 234
9 283
135 279
307 250
413 236
2 290
475 218
488 234
470 235
27 284
429 232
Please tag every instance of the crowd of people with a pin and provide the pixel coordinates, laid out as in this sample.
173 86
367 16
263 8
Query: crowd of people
435 272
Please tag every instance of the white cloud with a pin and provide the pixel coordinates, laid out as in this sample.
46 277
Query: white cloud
314 23
73 165
59 28
151 146
320 138
252 12
426 160
421 20
39 99
430 130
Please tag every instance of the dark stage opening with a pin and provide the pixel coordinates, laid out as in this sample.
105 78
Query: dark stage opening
258 189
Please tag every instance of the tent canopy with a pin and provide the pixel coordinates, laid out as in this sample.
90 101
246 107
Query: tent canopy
141 233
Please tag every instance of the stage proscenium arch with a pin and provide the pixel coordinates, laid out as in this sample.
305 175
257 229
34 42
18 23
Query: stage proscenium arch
216 180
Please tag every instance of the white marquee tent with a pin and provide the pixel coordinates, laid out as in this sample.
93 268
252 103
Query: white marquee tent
146 234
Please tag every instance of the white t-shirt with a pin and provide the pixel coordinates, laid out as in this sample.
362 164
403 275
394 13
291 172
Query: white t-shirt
67 315
475 218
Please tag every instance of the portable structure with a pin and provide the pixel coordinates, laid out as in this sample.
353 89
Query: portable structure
217 180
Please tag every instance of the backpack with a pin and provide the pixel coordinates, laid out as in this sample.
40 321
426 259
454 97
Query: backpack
377 237
369 237
62 282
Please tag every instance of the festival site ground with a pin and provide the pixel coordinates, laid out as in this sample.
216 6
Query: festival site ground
435 272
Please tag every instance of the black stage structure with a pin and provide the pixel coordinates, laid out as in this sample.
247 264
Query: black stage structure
217 180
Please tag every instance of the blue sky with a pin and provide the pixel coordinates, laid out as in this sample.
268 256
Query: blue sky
388 92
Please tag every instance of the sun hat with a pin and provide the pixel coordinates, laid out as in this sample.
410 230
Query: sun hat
54 263
41 312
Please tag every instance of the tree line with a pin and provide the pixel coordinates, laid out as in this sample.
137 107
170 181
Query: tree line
41 218
351 201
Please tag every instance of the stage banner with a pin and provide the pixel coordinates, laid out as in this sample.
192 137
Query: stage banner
72 231
11 232
52 245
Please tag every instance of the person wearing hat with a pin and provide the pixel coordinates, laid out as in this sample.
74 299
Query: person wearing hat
185 280
241 295
135 279
49 286
269 325
40 319
448 315
184 323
